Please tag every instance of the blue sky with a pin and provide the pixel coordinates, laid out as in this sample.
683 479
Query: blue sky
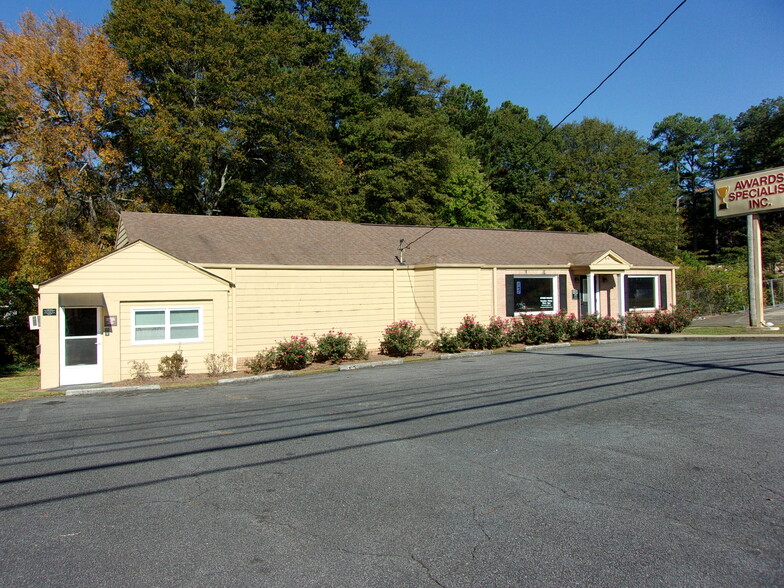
712 56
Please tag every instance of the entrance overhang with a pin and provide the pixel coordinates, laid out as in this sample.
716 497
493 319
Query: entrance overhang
89 299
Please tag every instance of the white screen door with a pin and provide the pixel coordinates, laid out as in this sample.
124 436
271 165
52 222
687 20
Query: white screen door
80 349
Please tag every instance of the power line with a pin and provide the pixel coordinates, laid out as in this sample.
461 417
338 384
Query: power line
592 92
403 247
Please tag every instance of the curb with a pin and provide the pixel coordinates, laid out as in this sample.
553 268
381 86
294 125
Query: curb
372 364
255 378
85 391
465 354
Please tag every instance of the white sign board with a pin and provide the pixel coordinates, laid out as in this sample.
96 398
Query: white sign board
761 191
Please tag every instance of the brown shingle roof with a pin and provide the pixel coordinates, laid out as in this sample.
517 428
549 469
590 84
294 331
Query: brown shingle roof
272 241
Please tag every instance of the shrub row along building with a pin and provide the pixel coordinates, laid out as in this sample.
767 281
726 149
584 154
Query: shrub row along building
207 284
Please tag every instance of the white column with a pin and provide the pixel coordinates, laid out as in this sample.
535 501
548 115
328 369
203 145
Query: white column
591 294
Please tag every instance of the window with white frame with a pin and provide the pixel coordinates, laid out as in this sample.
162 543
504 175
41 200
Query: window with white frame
642 292
166 325
532 294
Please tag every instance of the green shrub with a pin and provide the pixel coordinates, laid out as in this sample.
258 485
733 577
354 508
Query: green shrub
294 354
358 350
264 361
446 342
400 339
219 364
173 366
18 299
471 334
334 347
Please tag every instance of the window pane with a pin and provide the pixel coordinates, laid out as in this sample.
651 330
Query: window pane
534 295
191 332
150 333
81 351
184 317
80 322
146 318
642 292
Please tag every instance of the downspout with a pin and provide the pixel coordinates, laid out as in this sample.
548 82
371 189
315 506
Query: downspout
394 294
234 317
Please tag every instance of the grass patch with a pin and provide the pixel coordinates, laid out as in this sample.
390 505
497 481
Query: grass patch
22 385
738 330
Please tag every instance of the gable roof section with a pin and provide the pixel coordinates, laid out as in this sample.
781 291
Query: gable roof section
601 261
271 241
122 269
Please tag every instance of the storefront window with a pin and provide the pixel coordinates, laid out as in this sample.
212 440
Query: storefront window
641 293
534 294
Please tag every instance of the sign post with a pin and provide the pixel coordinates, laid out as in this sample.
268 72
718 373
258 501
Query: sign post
749 195
754 238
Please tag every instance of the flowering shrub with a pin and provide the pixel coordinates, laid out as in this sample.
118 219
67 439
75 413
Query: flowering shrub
660 322
497 333
294 354
471 334
264 361
530 330
446 342
596 327
400 339
561 327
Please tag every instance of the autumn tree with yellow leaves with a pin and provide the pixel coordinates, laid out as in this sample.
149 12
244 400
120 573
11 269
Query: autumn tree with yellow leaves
65 95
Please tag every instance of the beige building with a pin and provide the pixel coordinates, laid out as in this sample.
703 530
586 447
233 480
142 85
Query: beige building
206 284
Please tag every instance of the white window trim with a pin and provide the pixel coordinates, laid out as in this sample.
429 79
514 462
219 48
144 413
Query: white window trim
656 287
556 295
167 325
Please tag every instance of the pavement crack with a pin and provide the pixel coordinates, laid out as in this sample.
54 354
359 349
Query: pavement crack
427 570
479 524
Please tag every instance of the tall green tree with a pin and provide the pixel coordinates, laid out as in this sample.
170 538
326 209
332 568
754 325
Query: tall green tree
468 113
518 165
342 20
234 121
696 152
606 179
394 139
760 141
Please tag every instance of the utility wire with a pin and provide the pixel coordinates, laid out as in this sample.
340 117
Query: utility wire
592 92
571 112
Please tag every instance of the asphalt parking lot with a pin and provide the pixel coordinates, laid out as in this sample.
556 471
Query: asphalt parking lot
634 464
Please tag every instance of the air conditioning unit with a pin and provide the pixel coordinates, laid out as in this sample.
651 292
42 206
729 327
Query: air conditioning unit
35 322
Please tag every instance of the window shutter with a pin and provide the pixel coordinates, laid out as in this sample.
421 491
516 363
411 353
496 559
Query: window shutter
509 295
625 293
663 292
562 293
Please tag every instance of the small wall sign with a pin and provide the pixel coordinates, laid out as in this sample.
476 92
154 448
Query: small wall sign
110 321
49 312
